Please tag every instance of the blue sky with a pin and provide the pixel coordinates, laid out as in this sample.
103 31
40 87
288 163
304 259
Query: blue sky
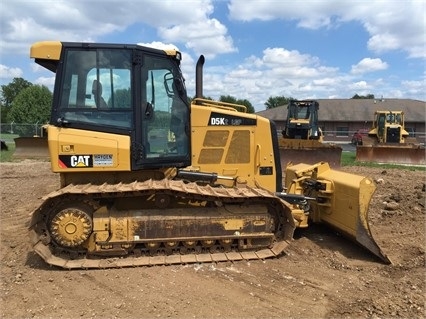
253 49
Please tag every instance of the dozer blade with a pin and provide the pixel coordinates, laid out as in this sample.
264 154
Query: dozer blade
391 154
309 152
31 147
342 201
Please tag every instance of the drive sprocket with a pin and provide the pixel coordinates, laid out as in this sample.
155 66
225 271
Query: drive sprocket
71 226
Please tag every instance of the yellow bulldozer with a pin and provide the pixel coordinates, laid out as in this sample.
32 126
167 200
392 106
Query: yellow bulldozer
389 142
302 138
147 178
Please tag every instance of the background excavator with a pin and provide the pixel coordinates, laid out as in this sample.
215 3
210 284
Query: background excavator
148 179
389 142
302 138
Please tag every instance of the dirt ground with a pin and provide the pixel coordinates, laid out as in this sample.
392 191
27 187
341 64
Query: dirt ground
322 275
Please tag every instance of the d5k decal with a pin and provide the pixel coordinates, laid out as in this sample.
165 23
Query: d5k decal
217 119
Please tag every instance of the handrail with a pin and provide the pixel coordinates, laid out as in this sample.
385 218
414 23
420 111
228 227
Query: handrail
220 104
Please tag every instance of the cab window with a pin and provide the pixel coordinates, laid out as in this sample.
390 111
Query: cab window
96 88
165 113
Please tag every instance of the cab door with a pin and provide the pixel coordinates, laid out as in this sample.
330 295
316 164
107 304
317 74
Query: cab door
162 128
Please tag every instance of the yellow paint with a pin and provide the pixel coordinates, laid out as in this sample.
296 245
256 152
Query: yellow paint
232 224
50 50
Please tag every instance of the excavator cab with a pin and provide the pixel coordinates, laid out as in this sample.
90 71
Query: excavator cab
129 102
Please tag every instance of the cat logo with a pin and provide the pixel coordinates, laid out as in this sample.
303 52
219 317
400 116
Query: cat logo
80 161
75 161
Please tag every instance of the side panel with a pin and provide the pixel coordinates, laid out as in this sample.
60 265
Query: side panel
73 150
233 144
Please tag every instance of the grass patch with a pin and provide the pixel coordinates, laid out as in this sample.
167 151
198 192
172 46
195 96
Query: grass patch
9 138
7 156
349 159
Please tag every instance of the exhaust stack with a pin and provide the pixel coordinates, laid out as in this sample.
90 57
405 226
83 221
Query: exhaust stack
199 77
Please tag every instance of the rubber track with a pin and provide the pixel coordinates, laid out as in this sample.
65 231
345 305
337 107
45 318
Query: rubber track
178 188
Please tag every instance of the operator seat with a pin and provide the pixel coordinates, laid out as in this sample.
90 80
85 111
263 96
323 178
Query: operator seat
97 94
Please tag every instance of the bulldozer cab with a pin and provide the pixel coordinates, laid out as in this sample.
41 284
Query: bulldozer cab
388 127
302 120
302 138
126 90
389 142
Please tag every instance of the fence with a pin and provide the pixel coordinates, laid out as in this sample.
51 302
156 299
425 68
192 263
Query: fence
11 130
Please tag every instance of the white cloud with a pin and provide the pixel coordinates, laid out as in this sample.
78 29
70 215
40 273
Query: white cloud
9 73
361 85
383 42
416 88
194 27
327 82
278 72
315 17
46 81
160 45
392 25
208 36
282 57
185 23
369 65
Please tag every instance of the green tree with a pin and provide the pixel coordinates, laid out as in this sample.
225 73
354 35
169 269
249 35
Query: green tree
204 97
122 98
231 99
11 90
368 96
8 94
31 105
4 110
276 101
247 104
